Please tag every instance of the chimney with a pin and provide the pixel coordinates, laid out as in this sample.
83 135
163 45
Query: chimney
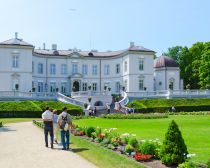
131 44
16 35
44 46
54 46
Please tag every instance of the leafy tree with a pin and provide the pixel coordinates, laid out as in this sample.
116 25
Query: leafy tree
174 52
173 150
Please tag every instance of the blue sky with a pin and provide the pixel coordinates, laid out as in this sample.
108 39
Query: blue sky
111 24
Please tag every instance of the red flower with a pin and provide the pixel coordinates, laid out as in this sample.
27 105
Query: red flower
101 136
142 157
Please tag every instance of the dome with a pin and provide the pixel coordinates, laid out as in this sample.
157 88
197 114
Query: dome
164 61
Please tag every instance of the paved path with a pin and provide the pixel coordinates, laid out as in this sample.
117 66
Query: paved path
22 146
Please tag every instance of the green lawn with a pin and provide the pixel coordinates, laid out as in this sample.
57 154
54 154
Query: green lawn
15 120
195 130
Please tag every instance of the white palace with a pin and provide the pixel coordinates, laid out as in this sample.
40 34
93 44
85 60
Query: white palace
26 69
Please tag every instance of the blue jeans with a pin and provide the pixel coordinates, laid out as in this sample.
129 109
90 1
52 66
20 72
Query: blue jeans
48 128
65 137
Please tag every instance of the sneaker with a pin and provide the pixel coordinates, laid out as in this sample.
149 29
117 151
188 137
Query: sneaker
46 145
51 146
68 148
63 149
56 141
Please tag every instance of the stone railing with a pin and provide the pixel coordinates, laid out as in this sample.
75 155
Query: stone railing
65 99
90 93
121 105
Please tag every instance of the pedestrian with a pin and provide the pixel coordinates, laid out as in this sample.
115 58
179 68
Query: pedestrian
47 118
64 123
108 108
95 111
55 125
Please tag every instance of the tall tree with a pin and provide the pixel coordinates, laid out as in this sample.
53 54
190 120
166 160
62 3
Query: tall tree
174 52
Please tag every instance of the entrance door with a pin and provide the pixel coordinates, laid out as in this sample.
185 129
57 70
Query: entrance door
75 86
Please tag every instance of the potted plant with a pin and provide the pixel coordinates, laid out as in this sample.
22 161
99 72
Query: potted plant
16 86
89 99
89 87
123 88
85 105
105 87
33 89
109 89
57 89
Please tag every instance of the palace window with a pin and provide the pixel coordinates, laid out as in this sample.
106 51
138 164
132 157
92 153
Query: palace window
125 66
15 61
84 86
117 68
94 72
52 87
40 68
63 69
84 69
40 87
94 86
141 84
117 87
141 64
52 69
74 68
106 69
63 87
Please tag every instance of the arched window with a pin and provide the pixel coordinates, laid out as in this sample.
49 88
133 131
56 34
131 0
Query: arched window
171 83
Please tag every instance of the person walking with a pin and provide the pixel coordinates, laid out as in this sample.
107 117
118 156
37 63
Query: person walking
47 118
108 108
55 125
64 123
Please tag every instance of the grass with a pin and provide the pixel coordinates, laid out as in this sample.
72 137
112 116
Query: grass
100 156
195 130
15 120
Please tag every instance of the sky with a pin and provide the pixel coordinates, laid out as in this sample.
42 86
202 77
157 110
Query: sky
106 24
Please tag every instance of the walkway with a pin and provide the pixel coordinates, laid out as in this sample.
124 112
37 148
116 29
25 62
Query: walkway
22 146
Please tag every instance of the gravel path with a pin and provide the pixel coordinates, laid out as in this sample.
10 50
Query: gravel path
22 146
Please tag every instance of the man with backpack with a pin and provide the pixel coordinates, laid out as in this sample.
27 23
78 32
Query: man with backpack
64 123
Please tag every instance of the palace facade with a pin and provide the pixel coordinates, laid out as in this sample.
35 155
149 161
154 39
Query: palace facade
26 69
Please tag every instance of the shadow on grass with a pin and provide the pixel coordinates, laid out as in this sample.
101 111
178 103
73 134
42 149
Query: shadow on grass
77 150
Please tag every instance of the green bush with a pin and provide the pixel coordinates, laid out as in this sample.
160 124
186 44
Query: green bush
89 131
129 149
133 142
188 165
1 125
164 105
173 150
135 116
149 147
208 163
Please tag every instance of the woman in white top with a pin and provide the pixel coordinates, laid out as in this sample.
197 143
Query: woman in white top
55 125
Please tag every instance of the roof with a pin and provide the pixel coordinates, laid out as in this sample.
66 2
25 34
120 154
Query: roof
164 61
15 41
90 53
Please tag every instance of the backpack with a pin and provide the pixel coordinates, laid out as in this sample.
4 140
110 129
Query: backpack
63 122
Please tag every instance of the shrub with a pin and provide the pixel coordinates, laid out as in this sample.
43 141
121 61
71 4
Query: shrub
149 147
125 138
1 125
173 150
188 165
116 141
208 163
133 142
135 116
129 149
89 131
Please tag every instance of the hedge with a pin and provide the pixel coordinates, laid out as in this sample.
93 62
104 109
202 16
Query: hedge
164 105
33 108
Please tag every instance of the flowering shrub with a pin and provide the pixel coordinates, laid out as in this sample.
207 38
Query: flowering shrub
79 131
89 131
142 157
125 138
151 147
188 165
116 141
133 142
129 149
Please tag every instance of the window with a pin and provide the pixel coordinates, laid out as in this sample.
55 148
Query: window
63 87
106 70
32 66
125 66
63 69
126 85
52 69
52 87
117 68
15 61
94 86
74 68
141 64
141 84
94 70
40 87
84 69
40 68
84 86
117 87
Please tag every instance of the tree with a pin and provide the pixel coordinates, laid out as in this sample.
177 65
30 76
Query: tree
174 52
173 150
